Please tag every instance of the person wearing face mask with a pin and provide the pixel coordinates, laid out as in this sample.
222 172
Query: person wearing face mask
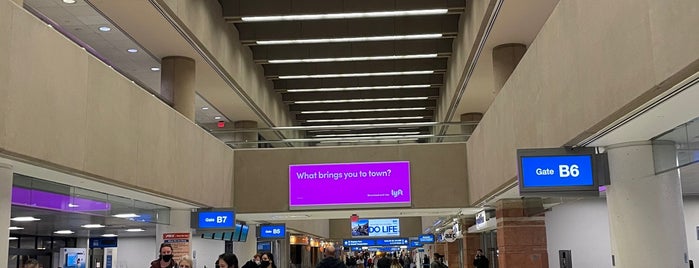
165 260
267 261
227 260
254 263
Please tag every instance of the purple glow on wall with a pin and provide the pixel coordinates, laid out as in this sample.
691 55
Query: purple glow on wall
54 201
350 184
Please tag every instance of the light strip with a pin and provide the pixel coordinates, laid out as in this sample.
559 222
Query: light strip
364 119
355 15
365 110
351 39
365 134
362 138
361 100
393 57
354 88
306 76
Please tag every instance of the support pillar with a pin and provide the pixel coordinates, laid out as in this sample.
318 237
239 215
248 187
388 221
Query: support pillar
646 216
178 77
248 136
471 243
505 60
5 210
521 234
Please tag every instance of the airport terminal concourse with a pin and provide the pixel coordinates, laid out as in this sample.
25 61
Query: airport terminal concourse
356 133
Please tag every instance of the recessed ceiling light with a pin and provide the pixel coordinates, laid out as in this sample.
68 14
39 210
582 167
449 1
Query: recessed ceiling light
13 238
217 117
105 29
354 15
132 50
92 226
350 39
354 88
361 100
135 230
15 228
127 215
306 76
64 232
155 69
204 108
109 235
393 57
25 219
69 1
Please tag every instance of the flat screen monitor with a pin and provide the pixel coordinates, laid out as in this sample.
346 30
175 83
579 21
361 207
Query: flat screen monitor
243 233
561 171
375 227
372 184
265 246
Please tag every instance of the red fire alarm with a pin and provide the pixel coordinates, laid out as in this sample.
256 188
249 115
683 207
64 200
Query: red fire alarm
221 124
354 218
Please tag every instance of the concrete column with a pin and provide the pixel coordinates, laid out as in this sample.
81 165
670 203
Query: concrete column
470 117
250 136
177 79
521 236
505 60
179 223
453 254
471 243
646 216
5 209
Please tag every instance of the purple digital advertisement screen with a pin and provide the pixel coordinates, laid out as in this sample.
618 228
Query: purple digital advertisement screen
337 185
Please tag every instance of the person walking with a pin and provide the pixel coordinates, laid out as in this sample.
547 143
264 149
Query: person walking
481 261
329 260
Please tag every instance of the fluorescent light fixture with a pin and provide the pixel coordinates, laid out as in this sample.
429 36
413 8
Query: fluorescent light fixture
109 235
155 69
204 108
306 76
41 248
69 1
15 228
393 57
92 226
354 88
13 238
217 117
350 39
134 230
127 215
364 119
64 232
365 134
361 100
365 110
25 219
71 205
132 50
354 15
104 29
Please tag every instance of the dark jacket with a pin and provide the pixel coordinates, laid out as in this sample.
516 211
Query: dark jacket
250 264
481 262
156 264
331 262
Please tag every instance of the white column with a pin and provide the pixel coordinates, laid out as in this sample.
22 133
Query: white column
646 215
5 208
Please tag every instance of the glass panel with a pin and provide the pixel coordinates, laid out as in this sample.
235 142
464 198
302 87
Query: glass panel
676 148
27 242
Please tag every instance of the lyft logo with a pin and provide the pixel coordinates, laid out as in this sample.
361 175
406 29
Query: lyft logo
396 193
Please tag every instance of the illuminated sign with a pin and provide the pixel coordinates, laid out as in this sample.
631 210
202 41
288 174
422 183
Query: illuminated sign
272 231
426 238
213 220
561 171
376 227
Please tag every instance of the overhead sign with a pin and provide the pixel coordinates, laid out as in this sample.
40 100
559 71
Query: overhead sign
449 235
561 171
392 242
372 184
272 231
415 244
376 227
426 238
358 242
481 219
213 220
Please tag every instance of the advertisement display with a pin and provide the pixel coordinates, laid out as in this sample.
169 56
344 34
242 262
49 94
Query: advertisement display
349 185
376 227
180 244
73 257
